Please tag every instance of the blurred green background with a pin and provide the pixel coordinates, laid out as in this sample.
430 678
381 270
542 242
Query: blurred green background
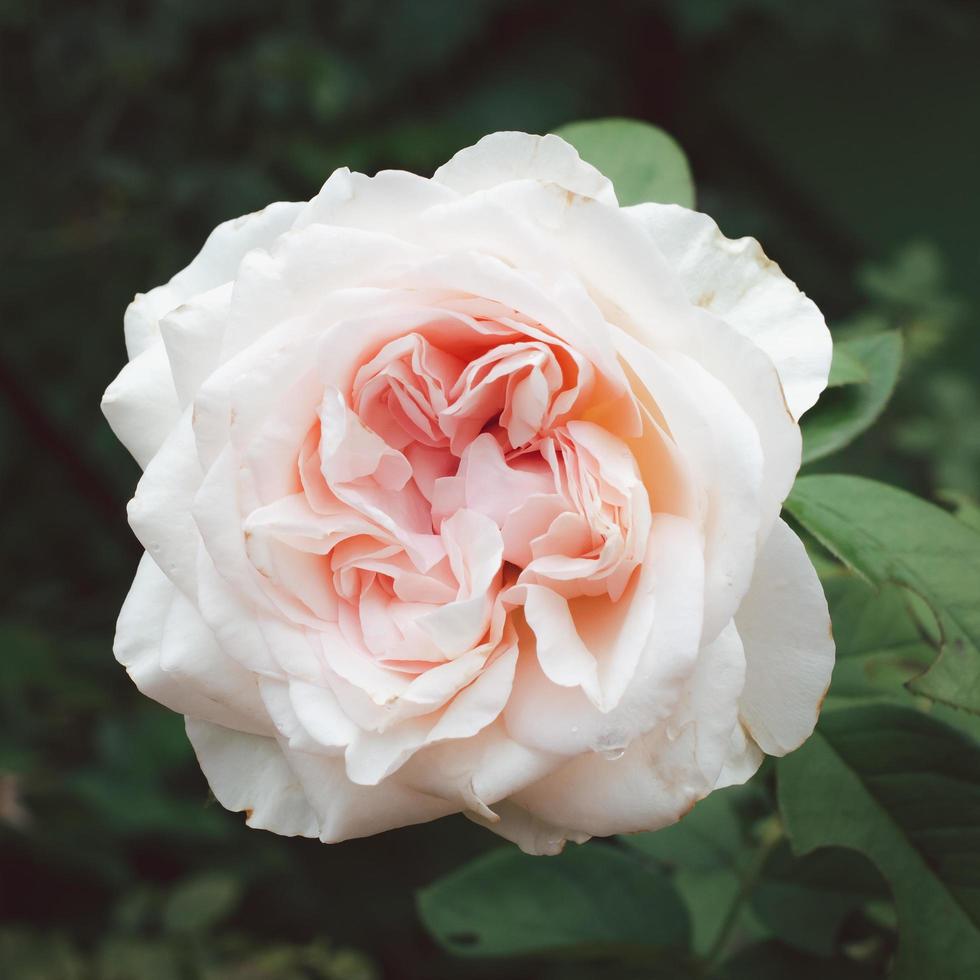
844 135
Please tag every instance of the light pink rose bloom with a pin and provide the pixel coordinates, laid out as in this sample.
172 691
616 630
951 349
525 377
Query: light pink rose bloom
463 494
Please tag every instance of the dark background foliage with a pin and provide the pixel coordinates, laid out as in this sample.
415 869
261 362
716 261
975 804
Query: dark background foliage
842 134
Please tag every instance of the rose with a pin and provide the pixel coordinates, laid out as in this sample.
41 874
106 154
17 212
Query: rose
463 494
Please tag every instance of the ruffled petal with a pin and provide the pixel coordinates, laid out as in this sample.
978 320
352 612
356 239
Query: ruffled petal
216 263
635 288
503 157
645 659
390 202
736 281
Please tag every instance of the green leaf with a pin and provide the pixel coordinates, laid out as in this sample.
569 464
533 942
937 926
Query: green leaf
846 368
643 162
888 535
903 789
774 961
804 901
845 412
706 839
880 643
123 957
29 955
707 853
964 507
200 903
754 888
590 898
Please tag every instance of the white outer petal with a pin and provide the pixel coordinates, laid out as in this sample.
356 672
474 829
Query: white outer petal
390 201
478 771
192 334
660 775
301 794
160 511
722 450
250 773
743 759
736 281
216 263
174 658
503 157
529 832
789 649
141 403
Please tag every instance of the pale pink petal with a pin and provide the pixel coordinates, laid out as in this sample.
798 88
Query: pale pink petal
480 703
292 521
381 685
429 466
299 793
564 311
223 495
635 289
486 482
646 657
564 658
527 523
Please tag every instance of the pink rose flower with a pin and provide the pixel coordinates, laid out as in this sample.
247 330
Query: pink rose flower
463 493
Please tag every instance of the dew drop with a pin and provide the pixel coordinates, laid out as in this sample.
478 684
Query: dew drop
611 745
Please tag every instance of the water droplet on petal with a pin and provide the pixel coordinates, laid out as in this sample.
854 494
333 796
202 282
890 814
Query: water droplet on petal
611 745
